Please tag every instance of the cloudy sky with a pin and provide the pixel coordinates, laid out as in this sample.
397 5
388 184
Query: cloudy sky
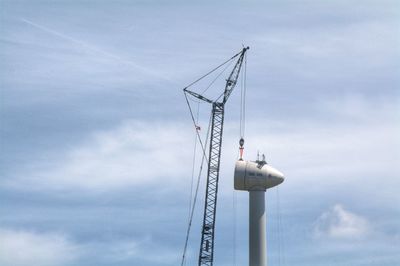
97 143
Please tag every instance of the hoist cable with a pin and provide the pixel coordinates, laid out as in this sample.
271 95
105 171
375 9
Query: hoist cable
281 238
193 100
243 99
244 93
241 106
212 82
195 125
197 129
215 79
241 133
208 73
234 227
193 163
195 199
204 158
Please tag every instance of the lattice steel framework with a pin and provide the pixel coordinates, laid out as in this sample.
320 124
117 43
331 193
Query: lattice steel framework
207 236
206 255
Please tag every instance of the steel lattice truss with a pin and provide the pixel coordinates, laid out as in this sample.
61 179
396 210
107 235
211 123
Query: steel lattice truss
206 255
207 237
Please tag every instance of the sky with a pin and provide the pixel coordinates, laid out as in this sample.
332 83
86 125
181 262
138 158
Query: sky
96 140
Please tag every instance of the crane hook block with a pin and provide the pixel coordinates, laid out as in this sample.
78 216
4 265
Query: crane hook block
241 143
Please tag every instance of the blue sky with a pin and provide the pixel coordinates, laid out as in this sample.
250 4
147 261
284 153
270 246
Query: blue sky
96 139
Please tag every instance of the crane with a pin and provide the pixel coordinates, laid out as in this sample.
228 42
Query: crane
206 254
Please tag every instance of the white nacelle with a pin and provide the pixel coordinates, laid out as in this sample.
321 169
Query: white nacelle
256 176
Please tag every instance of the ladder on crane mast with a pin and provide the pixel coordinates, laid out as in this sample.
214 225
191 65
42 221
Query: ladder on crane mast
206 254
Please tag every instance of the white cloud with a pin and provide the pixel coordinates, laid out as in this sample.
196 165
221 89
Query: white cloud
135 251
355 142
338 223
324 152
95 49
21 248
123 251
346 50
142 250
130 155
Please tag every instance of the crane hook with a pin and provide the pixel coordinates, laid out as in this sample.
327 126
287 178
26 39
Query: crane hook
241 148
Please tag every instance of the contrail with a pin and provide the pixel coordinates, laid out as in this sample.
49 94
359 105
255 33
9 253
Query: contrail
95 49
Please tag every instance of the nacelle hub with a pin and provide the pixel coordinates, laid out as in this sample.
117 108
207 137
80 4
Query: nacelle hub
256 176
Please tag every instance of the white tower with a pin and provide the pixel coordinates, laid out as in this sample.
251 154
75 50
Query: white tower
256 177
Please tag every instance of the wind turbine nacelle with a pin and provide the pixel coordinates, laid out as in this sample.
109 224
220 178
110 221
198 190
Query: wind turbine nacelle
256 176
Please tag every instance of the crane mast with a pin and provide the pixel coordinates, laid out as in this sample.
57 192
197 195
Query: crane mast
207 235
206 254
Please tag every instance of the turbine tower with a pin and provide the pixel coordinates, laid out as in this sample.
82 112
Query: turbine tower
256 177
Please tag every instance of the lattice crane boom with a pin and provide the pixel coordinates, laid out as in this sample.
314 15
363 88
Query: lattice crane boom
206 255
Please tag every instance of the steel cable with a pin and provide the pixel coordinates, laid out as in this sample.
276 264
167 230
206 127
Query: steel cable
204 158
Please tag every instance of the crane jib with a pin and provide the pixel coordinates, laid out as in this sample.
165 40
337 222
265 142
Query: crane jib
206 255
